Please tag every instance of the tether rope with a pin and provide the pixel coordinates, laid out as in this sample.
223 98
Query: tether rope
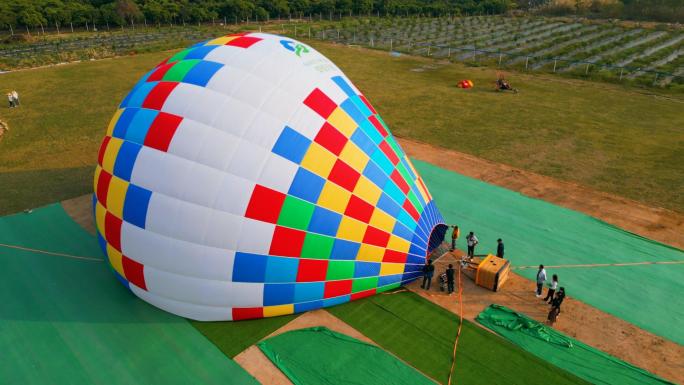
460 323
600 265
50 252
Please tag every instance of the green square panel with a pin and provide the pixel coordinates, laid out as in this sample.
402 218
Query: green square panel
179 56
414 199
178 71
340 270
362 284
317 246
389 287
296 213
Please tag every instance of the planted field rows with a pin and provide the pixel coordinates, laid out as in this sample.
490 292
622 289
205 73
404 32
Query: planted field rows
602 51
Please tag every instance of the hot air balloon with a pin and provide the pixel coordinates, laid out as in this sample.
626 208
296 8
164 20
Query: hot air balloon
246 177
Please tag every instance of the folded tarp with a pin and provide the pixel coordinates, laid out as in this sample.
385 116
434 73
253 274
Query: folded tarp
565 352
318 355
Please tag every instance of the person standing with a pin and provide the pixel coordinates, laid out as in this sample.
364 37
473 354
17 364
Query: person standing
471 241
428 272
450 279
556 306
541 278
552 289
15 96
11 99
454 236
499 248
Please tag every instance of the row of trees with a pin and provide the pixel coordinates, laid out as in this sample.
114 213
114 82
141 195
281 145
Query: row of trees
671 11
53 13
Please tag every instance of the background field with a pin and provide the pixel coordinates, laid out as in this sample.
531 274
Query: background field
608 137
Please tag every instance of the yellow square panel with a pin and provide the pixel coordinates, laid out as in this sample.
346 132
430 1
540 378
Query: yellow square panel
334 197
352 155
110 154
343 122
351 229
388 268
100 212
221 40
319 160
398 244
382 220
367 190
115 259
112 123
116 196
423 191
273 311
370 253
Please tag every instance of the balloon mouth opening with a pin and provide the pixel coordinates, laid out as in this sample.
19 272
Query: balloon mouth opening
436 237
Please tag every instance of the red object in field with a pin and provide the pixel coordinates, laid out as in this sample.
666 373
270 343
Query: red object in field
465 84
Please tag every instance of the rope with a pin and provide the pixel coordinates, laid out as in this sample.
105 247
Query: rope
460 323
50 252
601 265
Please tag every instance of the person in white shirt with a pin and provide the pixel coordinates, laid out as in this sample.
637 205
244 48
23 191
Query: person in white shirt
11 99
15 96
552 289
471 241
541 278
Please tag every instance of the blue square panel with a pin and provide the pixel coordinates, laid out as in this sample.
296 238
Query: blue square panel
306 185
291 145
281 269
324 222
249 267
278 293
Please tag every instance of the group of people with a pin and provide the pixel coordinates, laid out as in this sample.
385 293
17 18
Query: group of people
554 294
472 241
13 98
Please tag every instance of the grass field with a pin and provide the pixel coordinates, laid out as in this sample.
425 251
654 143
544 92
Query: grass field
607 137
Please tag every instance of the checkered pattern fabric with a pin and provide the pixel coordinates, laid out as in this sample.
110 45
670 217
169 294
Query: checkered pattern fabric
241 179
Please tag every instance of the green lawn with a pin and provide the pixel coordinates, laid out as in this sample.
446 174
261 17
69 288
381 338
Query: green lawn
422 334
607 137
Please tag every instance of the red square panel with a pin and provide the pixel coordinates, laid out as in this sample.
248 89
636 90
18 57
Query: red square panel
378 125
161 131
337 288
103 187
343 175
103 148
159 73
410 209
362 294
157 96
287 242
320 103
244 41
389 153
113 230
359 209
376 237
400 182
312 270
134 271
331 139
265 204
394 256
240 313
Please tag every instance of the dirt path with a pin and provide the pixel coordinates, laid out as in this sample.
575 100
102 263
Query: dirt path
651 222
578 320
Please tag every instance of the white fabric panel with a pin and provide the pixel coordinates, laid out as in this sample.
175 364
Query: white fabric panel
157 171
264 131
203 144
178 219
300 84
222 55
278 173
248 161
273 70
281 104
234 117
306 122
224 230
184 309
226 80
205 106
179 100
188 138
206 182
234 194
176 256
333 91
206 292
253 91
255 237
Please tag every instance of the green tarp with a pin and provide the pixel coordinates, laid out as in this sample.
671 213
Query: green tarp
67 320
317 356
565 352
537 232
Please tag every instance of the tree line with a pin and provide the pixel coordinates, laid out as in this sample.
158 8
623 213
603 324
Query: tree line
53 13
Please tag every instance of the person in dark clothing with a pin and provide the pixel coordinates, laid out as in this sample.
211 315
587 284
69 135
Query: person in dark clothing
428 272
552 289
450 279
556 306
499 248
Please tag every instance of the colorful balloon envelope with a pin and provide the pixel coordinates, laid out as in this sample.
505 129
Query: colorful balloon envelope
246 177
